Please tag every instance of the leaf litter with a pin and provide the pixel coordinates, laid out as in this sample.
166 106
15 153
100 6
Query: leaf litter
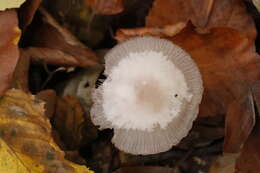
218 34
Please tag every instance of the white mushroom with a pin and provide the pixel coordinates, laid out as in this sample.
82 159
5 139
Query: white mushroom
151 95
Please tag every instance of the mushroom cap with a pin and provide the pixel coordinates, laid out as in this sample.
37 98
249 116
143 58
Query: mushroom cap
161 137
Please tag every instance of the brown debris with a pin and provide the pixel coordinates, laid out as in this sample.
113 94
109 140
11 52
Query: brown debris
50 34
249 160
9 52
227 60
240 120
106 7
150 169
168 30
27 11
20 76
203 14
70 122
49 97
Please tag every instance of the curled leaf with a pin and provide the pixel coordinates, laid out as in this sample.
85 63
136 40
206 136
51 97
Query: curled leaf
240 120
56 45
26 141
203 14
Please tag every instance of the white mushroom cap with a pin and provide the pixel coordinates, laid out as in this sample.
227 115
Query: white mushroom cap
151 95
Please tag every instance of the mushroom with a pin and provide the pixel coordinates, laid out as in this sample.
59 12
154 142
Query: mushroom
151 95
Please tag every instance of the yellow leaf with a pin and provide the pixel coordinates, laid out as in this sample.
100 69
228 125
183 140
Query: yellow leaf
6 4
257 4
26 144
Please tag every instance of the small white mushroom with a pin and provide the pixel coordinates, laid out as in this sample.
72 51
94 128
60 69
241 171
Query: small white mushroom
151 95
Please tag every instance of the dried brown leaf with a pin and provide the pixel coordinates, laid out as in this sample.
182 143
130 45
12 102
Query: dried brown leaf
106 7
50 98
205 13
9 52
168 30
50 34
53 56
26 138
255 88
227 60
249 160
71 124
240 120
27 11
21 73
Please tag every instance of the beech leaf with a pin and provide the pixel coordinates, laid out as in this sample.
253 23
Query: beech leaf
26 142
203 14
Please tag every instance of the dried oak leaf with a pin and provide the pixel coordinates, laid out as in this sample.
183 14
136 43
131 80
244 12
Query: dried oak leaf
27 11
203 14
26 142
9 53
240 120
56 45
71 123
226 58
106 7
7 4
249 160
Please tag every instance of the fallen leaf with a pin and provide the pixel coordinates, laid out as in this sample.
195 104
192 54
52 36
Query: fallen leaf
50 98
203 14
26 142
9 53
249 160
50 34
255 88
27 11
224 164
75 157
70 123
228 63
21 73
168 30
240 120
80 19
7 4
53 56
106 7
227 60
